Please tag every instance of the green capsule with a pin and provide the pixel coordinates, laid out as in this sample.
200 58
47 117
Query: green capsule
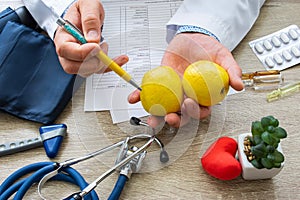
278 156
266 163
256 128
256 140
271 129
276 165
265 122
271 117
270 148
259 150
268 138
274 122
280 132
271 157
257 164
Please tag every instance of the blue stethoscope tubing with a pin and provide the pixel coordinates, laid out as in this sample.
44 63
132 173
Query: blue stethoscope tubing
119 186
66 173
10 186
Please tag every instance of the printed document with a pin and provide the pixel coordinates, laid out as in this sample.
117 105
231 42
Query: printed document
136 28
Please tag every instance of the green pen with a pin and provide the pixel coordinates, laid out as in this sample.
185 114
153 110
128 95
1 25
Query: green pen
73 30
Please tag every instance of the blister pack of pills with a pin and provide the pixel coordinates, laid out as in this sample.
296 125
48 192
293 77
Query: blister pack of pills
279 50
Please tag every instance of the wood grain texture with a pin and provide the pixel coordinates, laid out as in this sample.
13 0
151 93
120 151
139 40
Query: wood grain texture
183 177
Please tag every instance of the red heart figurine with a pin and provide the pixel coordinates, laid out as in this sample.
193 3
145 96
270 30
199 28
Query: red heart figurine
219 159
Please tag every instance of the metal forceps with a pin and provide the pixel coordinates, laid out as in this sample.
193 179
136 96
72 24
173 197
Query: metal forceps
63 171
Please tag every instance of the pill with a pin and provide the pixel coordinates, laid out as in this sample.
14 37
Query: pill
293 34
287 56
278 59
269 62
12 145
267 44
258 47
276 42
295 51
285 38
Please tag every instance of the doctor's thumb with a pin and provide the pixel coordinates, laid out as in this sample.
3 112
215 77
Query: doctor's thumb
92 17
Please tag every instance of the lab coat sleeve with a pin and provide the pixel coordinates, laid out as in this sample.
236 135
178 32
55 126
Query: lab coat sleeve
229 20
48 23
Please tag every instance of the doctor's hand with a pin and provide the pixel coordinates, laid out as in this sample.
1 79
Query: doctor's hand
76 58
184 49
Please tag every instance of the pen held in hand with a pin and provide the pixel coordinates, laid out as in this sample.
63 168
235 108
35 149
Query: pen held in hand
76 33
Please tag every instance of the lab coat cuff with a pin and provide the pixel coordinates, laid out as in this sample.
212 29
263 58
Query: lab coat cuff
211 24
65 11
61 10
47 22
195 29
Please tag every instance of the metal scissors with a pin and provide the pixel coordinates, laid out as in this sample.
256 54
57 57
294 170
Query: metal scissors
128 161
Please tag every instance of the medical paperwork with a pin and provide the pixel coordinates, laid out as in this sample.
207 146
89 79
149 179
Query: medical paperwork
136 28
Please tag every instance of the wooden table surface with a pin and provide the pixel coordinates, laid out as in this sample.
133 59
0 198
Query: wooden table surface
183 177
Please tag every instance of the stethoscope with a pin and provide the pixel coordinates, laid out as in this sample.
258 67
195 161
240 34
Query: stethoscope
128 161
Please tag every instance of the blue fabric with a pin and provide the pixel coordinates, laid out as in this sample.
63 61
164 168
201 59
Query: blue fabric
8 15
33 85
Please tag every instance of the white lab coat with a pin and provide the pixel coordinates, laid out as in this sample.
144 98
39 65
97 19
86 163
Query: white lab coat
229 20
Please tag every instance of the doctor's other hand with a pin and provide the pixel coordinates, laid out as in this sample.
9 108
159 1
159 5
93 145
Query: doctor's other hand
184 49
76 58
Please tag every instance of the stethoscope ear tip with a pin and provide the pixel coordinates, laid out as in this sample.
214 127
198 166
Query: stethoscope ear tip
164 157
135 121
